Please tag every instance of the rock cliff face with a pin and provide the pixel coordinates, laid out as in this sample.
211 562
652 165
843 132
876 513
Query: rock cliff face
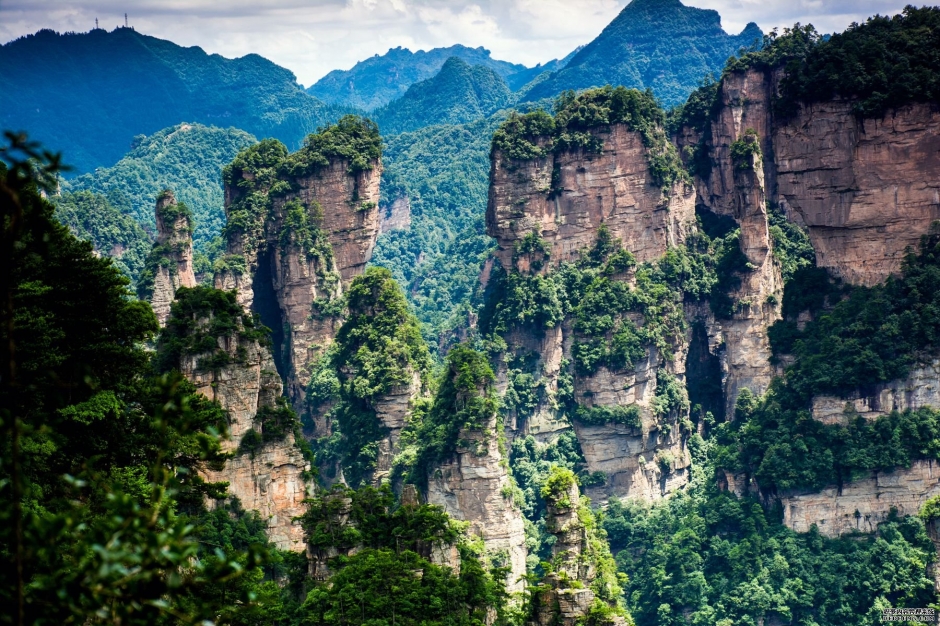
740 189
396 215
867 189
920 389
292 263
565 197
175 243
862 504
267 477
569 593
475 486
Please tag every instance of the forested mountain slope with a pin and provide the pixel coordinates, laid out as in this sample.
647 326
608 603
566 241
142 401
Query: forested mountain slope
187 158
662 45
89 94
458 94
376 81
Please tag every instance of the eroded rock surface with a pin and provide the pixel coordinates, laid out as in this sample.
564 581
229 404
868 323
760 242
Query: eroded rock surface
862 504
175 240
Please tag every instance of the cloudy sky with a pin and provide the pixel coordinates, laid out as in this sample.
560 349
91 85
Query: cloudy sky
312 37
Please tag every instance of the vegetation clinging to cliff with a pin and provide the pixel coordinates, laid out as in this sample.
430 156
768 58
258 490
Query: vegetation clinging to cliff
378 347
882 63
728 561
577 120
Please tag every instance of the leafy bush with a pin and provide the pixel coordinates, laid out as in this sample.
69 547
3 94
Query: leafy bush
600 415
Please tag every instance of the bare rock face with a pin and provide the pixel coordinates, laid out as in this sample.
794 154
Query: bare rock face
569 594
292 281
867 189
395 216
565 197
862 504
475 486
393 410
740 189
268 478
175 245
647 462
920 389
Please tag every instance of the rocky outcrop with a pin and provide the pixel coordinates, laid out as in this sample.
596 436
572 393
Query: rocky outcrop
565 197
570 587
172 258
393 411
475 486
292 267
396 215
862 504
268 475
646 462
920 389
740 188
867 189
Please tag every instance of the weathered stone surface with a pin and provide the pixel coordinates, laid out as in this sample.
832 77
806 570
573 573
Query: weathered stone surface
396 215
867 189
567 597
647 462
393 410
862 504
920 389
614 188
269 481
178 239
475 487
346 208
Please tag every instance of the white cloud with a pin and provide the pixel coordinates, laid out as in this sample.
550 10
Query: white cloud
315 36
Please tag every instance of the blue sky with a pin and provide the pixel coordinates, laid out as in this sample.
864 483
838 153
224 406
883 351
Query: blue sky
312 37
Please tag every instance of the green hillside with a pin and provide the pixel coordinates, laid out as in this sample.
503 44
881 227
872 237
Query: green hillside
89 94
658 44
458 94
187 158
378 80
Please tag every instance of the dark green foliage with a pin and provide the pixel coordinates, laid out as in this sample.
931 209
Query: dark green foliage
699 110
706 557
670 397
92 217
776 440
580 118
459 94
465 400
92 94
443 171
378 347
378 80
600 415
385 586
874 335
792 247
744 149
100 466
379 580
187 158
653 44
882 63
199 317
353 138
531 462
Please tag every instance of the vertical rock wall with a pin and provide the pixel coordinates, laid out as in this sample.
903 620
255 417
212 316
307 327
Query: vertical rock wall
285 280
564 198
268 479
174 238
475 486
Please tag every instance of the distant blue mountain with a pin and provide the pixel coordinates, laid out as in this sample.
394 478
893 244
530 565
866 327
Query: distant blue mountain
377 81
458 94
660 44
89 94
